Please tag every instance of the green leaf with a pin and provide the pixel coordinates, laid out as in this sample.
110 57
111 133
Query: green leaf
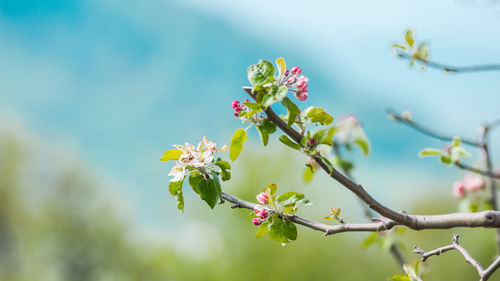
253 105
429 152
445 160
265 129
175 188
239 137
260 73
275 94
171 154
194 181
289 229
218 187
318 115
209 192
370 240
399 46
410 37
225 167
280 62
325 136
364 145
272 188
456 142
293 110
288 195
286 140
262 229
275 230
400 277
423 52
308 175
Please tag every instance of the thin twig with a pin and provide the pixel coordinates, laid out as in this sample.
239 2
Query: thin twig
484 274
429 132
489 173
448 68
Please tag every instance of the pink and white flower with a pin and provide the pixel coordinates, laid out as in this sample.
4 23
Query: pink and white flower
192 157
262 198
458 190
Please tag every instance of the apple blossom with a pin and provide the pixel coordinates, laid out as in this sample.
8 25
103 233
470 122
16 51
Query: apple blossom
195 158
473 183
256 221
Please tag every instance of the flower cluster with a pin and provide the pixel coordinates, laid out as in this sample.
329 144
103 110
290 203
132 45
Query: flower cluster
291 79
470 183
193 158
240 108
260 210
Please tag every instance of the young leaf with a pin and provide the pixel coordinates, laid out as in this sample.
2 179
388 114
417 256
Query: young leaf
262 229
208 192
175 188
429 152
293 110
399 46
400 277
370 240
280 62
239 137
288 195
364 145
275 230
265 129
272 188
260 73
318 115
286 140
409 37
289 229
225 167
194 181
171 154
308 175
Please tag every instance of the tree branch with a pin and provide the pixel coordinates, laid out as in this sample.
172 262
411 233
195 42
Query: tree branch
483 274
417 222
327 229
488 173
428 132
448 68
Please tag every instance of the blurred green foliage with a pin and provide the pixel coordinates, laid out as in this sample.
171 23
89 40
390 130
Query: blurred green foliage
56 223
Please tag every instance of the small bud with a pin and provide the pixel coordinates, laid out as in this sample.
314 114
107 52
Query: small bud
262 198
287 72
302 95
458 190
236 114
246 100
301 84
256 221
235 104
311 142
296 70
258 208
263 214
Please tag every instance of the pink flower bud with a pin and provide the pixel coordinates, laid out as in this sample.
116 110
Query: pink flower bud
302 84
473 183
296 70
236 114
262 198
235 104
246 100
311 142
263 214
287 72
256 221
458 190
258 208
301 95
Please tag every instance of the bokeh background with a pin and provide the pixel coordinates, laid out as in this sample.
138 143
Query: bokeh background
92 93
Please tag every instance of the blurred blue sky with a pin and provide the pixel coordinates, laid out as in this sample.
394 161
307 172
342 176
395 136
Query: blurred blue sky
120 81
